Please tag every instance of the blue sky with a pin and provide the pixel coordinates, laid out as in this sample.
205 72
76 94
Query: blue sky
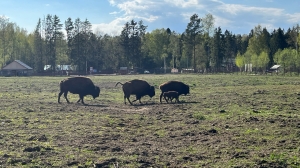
109 16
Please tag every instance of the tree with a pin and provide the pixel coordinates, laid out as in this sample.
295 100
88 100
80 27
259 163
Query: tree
239 61
175 49
153 45
217 49
229 49
277 41
38 48
194 28
78 40
208 24
52 33
3 36
286 58
254 61
263 60
259 42
130 40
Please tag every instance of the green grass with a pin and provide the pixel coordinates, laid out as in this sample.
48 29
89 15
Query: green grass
227 121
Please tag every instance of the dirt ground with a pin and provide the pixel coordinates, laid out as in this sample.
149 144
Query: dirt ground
235 125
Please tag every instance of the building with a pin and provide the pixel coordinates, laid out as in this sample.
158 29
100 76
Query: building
123 70
16 68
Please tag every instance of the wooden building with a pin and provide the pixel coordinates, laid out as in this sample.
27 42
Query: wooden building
16 68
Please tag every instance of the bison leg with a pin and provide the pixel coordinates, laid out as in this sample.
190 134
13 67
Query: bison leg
81 98
138 97
128 99
60 93
177 99
66 96
125 99
171 99
161 96
166 99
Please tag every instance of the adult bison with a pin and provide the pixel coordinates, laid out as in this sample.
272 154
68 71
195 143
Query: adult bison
78 85
136 87
177 86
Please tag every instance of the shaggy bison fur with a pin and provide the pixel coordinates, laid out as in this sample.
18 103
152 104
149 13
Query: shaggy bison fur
78 85
137 87
177 86
170 95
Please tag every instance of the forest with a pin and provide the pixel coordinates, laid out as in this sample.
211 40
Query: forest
201 47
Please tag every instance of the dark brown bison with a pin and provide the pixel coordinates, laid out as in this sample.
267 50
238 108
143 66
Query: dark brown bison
177 86
78 85
170 95
137 87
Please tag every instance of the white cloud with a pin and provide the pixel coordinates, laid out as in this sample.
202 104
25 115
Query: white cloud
167 13
293 18
185 3
220 22
112 28
114 13
112 2
236 9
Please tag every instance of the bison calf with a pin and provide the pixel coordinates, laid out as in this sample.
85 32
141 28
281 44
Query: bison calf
177 86
170 95
78 85
137 87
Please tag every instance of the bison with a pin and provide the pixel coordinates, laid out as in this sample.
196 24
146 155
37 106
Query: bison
136 87
78 85
177 86
170 95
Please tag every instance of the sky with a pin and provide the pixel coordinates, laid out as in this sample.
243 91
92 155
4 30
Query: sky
109 16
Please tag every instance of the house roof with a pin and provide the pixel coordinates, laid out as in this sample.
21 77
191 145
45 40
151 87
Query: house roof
275 67
17 65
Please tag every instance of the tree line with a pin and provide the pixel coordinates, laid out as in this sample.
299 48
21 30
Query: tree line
201 47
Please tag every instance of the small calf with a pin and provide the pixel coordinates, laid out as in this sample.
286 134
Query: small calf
171 95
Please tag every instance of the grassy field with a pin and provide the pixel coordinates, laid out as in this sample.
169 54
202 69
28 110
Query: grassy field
227 121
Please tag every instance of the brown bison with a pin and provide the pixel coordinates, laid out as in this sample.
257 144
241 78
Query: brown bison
177 86
137 87
78 85
170 95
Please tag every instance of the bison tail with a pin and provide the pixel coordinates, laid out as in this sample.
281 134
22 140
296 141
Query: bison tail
119 83
60 84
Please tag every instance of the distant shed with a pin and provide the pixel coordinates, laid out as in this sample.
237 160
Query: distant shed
16 68
123 70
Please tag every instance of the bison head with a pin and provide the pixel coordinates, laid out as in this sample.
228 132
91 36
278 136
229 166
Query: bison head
96 92
151 91
186 90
